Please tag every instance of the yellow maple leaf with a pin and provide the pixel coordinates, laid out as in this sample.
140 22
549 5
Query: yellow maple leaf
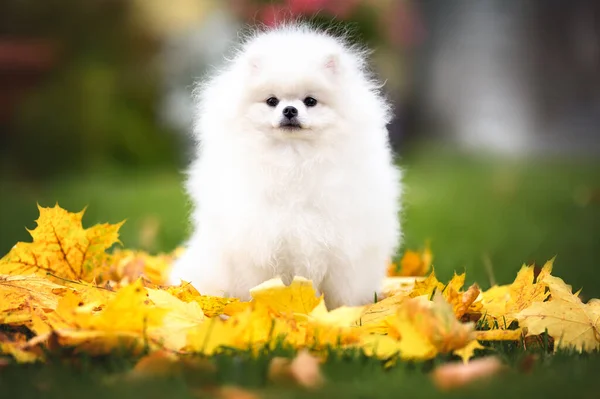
127 265
43 323
74 306
524 291
439 321
427 287
336 327
211 305
380 346
298 297
468 351
18 353
235 307
501 303
129 310
423 329
212 335
14 316
21 294
499 335
413 263
558 289
494 301
180 319
567 319
123 322
462 302
399 285
92 294
185 291
344 316
414 342
456 282
94 343
374 317
62 247
252 328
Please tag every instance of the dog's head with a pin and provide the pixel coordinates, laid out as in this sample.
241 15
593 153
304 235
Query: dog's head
293 85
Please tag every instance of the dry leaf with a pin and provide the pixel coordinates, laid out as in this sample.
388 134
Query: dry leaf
157 364
456 375
230 392
279 370
567 319
303 370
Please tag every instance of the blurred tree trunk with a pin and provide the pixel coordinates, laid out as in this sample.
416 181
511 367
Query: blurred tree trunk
511 76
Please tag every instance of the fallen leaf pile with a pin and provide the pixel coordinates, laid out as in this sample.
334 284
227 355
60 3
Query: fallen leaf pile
66 292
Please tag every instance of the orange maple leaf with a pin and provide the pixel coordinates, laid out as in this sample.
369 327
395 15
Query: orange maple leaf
413 263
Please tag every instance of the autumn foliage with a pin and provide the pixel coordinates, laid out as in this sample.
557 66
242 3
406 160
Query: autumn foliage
67 289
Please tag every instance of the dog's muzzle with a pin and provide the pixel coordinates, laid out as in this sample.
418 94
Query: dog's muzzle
291 124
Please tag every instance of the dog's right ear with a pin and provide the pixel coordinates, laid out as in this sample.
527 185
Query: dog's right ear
332 64
254 62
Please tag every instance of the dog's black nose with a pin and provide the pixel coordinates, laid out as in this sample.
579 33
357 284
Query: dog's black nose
290 112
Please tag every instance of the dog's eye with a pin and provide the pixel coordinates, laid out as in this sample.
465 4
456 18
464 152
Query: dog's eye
310 102
272 101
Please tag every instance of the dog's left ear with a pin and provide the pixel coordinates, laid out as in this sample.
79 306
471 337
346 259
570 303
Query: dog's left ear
332 64
254 63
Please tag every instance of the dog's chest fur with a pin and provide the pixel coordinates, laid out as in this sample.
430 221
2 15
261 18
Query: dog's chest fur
293 211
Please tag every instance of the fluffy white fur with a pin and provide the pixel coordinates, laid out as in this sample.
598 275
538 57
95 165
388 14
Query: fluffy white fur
320 201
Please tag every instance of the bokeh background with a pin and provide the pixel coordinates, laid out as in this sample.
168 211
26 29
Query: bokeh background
497 118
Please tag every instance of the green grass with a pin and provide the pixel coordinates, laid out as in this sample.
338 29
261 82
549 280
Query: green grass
553 376
470 208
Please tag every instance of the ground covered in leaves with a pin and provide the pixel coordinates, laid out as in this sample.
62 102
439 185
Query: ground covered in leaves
73 302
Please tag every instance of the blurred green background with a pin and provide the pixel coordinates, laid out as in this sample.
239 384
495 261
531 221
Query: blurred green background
95 112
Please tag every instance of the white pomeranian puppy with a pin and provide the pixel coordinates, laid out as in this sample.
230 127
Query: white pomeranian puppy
294 175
